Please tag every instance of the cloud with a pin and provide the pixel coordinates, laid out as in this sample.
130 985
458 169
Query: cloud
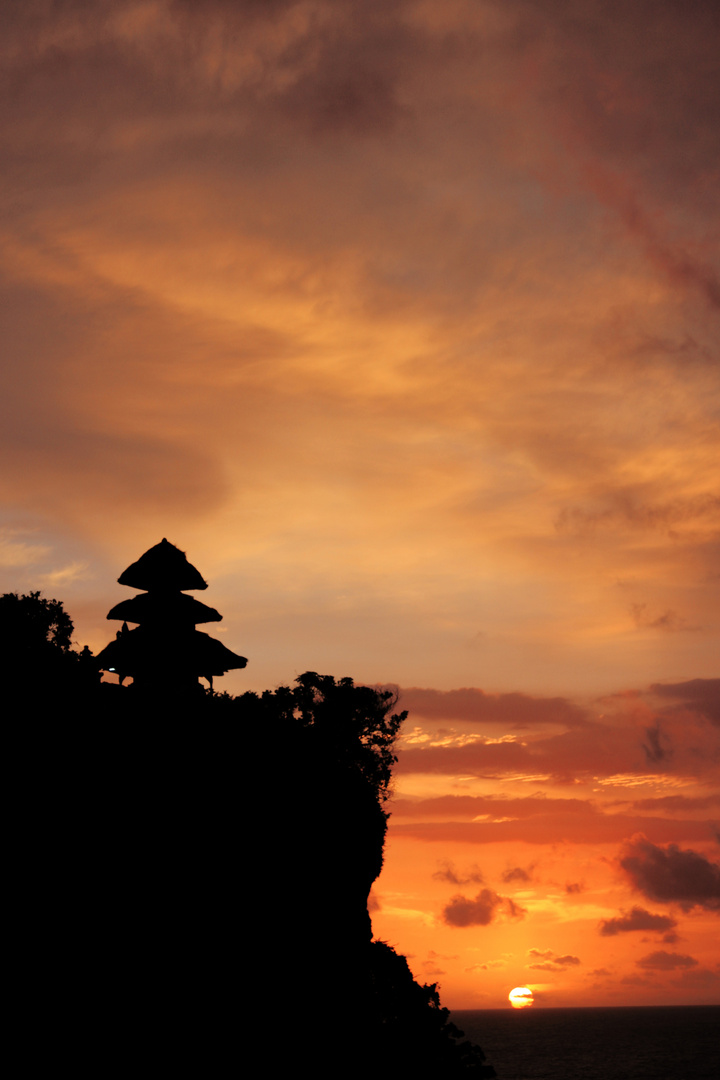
665 961
676 804
431 965
671 875
666 620
516 874
636 919
701 695
64 575
653 747
698 978
551 961
448 873
534 820
475 706
628 508
637 980
462 912
631 735
489 966
16 553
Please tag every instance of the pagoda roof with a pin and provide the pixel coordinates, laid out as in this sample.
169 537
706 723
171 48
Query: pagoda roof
137 652
163 607
162 567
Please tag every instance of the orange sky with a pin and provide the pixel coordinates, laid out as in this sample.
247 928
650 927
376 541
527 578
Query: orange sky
401 318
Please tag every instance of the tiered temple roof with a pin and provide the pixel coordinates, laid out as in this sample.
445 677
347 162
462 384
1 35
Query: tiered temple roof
165 650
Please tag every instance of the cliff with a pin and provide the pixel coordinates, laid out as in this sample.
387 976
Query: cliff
192 884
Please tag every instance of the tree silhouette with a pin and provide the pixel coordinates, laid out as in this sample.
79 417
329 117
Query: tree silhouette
30 622
35 650
349 727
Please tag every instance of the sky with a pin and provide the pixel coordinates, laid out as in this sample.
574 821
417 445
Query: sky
401 319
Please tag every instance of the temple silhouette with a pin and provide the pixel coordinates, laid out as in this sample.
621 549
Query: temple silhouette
166 649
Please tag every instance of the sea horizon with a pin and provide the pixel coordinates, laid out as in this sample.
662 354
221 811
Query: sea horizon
596 1042
537 1007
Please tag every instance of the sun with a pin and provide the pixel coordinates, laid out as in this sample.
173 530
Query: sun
521 997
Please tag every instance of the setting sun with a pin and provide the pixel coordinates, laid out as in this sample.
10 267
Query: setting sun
521 997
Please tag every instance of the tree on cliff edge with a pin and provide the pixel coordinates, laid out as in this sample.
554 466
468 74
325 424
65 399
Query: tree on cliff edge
36 652
351 726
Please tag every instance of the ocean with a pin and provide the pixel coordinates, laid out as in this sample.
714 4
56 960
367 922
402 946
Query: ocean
631 1043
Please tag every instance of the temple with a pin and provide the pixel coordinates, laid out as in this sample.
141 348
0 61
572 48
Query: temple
165 652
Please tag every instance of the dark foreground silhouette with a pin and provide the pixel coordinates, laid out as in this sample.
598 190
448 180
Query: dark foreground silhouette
190 876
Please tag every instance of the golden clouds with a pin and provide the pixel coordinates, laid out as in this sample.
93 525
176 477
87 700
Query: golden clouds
393 300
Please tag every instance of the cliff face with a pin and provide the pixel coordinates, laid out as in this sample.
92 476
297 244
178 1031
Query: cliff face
192 888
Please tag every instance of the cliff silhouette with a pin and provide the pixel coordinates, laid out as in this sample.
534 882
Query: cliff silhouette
192 874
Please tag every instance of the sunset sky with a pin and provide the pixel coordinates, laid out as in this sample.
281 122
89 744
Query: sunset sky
400 317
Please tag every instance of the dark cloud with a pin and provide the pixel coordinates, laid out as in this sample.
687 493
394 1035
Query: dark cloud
448 873
550 961
481 911
334 68
516 874
671 875
574 888
653 746
621 100
636 919
674 804
475 706
667 620
665 961
676 264
630 509
701 695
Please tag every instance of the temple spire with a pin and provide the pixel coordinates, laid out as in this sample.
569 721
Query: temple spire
165 653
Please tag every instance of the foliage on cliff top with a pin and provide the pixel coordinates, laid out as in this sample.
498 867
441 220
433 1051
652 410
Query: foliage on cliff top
352 724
